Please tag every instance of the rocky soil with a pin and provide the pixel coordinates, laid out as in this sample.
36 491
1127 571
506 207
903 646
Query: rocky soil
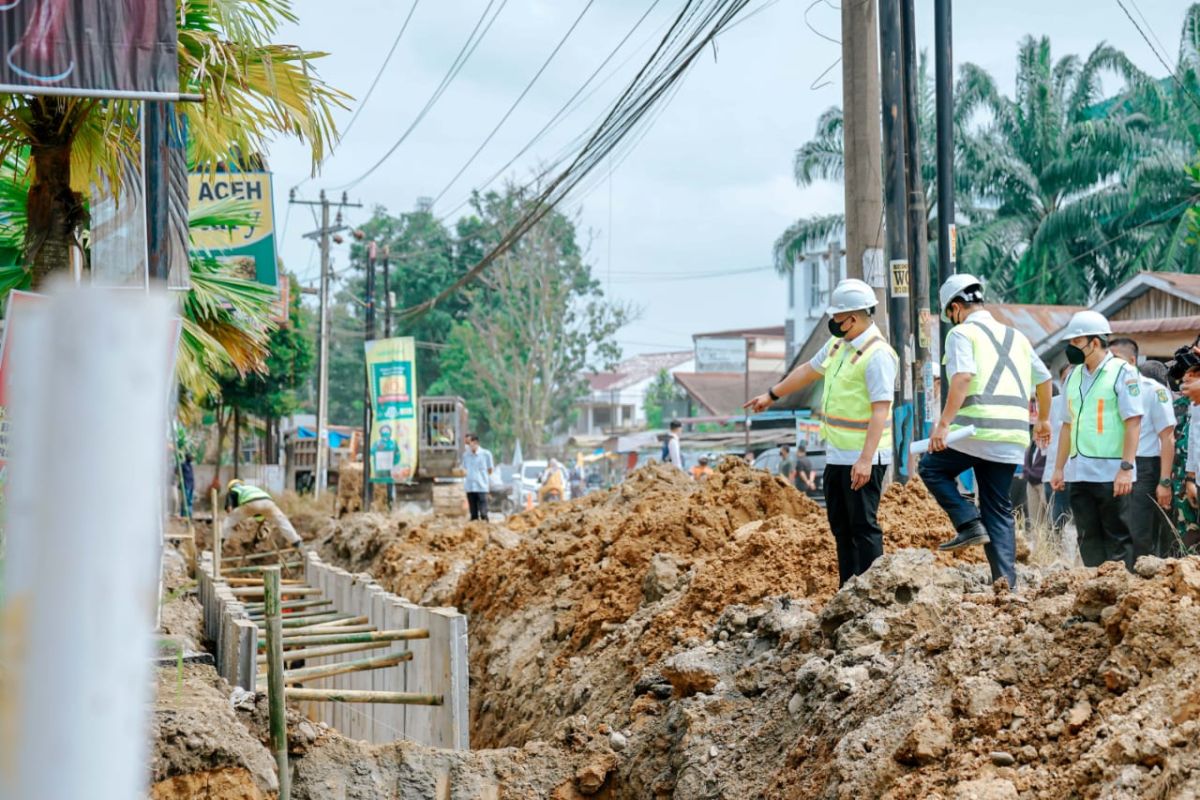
673 640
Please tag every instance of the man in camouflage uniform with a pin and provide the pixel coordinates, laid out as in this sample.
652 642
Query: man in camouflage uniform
1187 520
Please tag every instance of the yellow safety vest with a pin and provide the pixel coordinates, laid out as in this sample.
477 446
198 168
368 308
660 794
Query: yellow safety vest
247 493
845 404
997 401
1096 422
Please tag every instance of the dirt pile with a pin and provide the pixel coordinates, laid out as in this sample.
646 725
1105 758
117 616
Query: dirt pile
350 491
910 517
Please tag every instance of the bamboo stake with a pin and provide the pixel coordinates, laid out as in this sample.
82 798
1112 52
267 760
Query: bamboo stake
337 624
254 609
322 652
261 556
252 581
290 636
362 696
275 692
286 591
361 638
251 569
329 670
216 527
309 620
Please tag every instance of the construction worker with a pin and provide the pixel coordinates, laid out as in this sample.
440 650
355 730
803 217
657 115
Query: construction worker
992 371
859 368
243 501
1097 449
701 470
1150 500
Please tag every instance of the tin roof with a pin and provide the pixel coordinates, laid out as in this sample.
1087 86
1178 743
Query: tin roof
636 369
1035 321
722 393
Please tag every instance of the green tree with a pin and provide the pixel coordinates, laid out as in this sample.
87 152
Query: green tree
538 322
662 394
254 90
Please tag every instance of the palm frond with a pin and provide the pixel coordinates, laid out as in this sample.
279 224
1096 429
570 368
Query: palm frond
804 234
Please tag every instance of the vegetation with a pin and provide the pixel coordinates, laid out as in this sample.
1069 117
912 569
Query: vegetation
1062 194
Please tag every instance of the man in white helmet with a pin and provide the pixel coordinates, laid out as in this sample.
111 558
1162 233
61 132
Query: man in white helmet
1097 449
993 373
859 368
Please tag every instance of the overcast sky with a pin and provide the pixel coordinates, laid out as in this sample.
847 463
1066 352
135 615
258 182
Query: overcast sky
708 188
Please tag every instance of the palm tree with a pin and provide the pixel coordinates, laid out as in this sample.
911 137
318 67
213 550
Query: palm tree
253 89
1050 166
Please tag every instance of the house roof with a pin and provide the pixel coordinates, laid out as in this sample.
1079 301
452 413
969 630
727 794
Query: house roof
1179 284
1035 321
772 330
723 393
1169 325
637 369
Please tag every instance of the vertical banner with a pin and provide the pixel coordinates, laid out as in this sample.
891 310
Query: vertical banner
117 48
392 380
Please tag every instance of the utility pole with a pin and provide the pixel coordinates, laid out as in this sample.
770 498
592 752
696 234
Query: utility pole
863 180
892 95
918 236
368 337
387 296
944 67
322 234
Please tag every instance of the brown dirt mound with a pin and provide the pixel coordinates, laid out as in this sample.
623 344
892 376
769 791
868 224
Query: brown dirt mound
910 517
595 554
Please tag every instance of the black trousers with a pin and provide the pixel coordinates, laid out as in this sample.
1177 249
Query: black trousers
1148 522
478 504
1103 524
852 518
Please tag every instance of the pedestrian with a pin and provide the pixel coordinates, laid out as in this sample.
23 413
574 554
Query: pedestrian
993 374
806 476
553 482
478 464
859 368
1097 449
1057 501
1034 469
670 450
702 470
244 500
1151 498
188 474
748 457
787 464
1185 372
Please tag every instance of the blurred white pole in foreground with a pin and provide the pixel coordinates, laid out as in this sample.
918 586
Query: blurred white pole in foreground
88 394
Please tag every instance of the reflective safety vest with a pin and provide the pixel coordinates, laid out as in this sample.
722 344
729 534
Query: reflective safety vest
245 493
845 403
997 401
1097 430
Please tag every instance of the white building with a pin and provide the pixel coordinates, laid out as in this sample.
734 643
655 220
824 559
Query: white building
809 285
617 399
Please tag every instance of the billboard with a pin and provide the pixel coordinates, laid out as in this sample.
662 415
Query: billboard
392 381
721 355
113 48
252 248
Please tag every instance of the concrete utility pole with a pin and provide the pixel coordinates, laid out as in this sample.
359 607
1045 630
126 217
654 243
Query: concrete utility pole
368 336
944 68
923 326
322 234
863 180
892 95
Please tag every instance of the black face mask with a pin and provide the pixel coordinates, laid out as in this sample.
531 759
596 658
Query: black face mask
836 329
1075 355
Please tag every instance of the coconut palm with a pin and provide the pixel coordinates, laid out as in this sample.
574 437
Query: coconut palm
253 87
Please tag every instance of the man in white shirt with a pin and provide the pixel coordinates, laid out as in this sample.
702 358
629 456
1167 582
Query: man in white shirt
1097 449
859 368
478 464
671 454
1151 498
994 373
1059 502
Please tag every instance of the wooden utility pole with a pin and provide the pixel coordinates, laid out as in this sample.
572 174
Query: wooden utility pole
368 336
892 96
944 68
863 180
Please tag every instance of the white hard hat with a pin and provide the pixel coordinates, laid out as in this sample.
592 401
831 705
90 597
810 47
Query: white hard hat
1087 323
960 287
851 294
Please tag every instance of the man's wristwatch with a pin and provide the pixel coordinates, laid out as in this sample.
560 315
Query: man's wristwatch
1126 466
771 394
1165 482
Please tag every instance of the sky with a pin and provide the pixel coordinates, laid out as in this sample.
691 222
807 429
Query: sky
709 185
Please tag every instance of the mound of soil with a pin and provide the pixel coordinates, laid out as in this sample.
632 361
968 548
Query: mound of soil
910 517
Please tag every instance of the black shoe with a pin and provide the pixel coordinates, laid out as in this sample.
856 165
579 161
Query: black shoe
973 533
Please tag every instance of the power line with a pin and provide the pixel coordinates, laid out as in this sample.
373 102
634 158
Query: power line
1171 71
516 102
464 54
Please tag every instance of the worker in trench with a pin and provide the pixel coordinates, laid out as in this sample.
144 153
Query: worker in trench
993 370
244 500
859 368
1097 449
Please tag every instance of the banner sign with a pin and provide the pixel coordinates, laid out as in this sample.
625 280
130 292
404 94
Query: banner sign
251 248
720 355
112 48
392 379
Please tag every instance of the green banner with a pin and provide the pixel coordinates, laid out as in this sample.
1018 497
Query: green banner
392 378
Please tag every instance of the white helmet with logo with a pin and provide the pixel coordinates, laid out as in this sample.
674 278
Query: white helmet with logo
1087 323
851 294
963 287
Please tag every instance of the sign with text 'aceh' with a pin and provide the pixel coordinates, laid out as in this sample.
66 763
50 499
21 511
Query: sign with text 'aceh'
250 248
